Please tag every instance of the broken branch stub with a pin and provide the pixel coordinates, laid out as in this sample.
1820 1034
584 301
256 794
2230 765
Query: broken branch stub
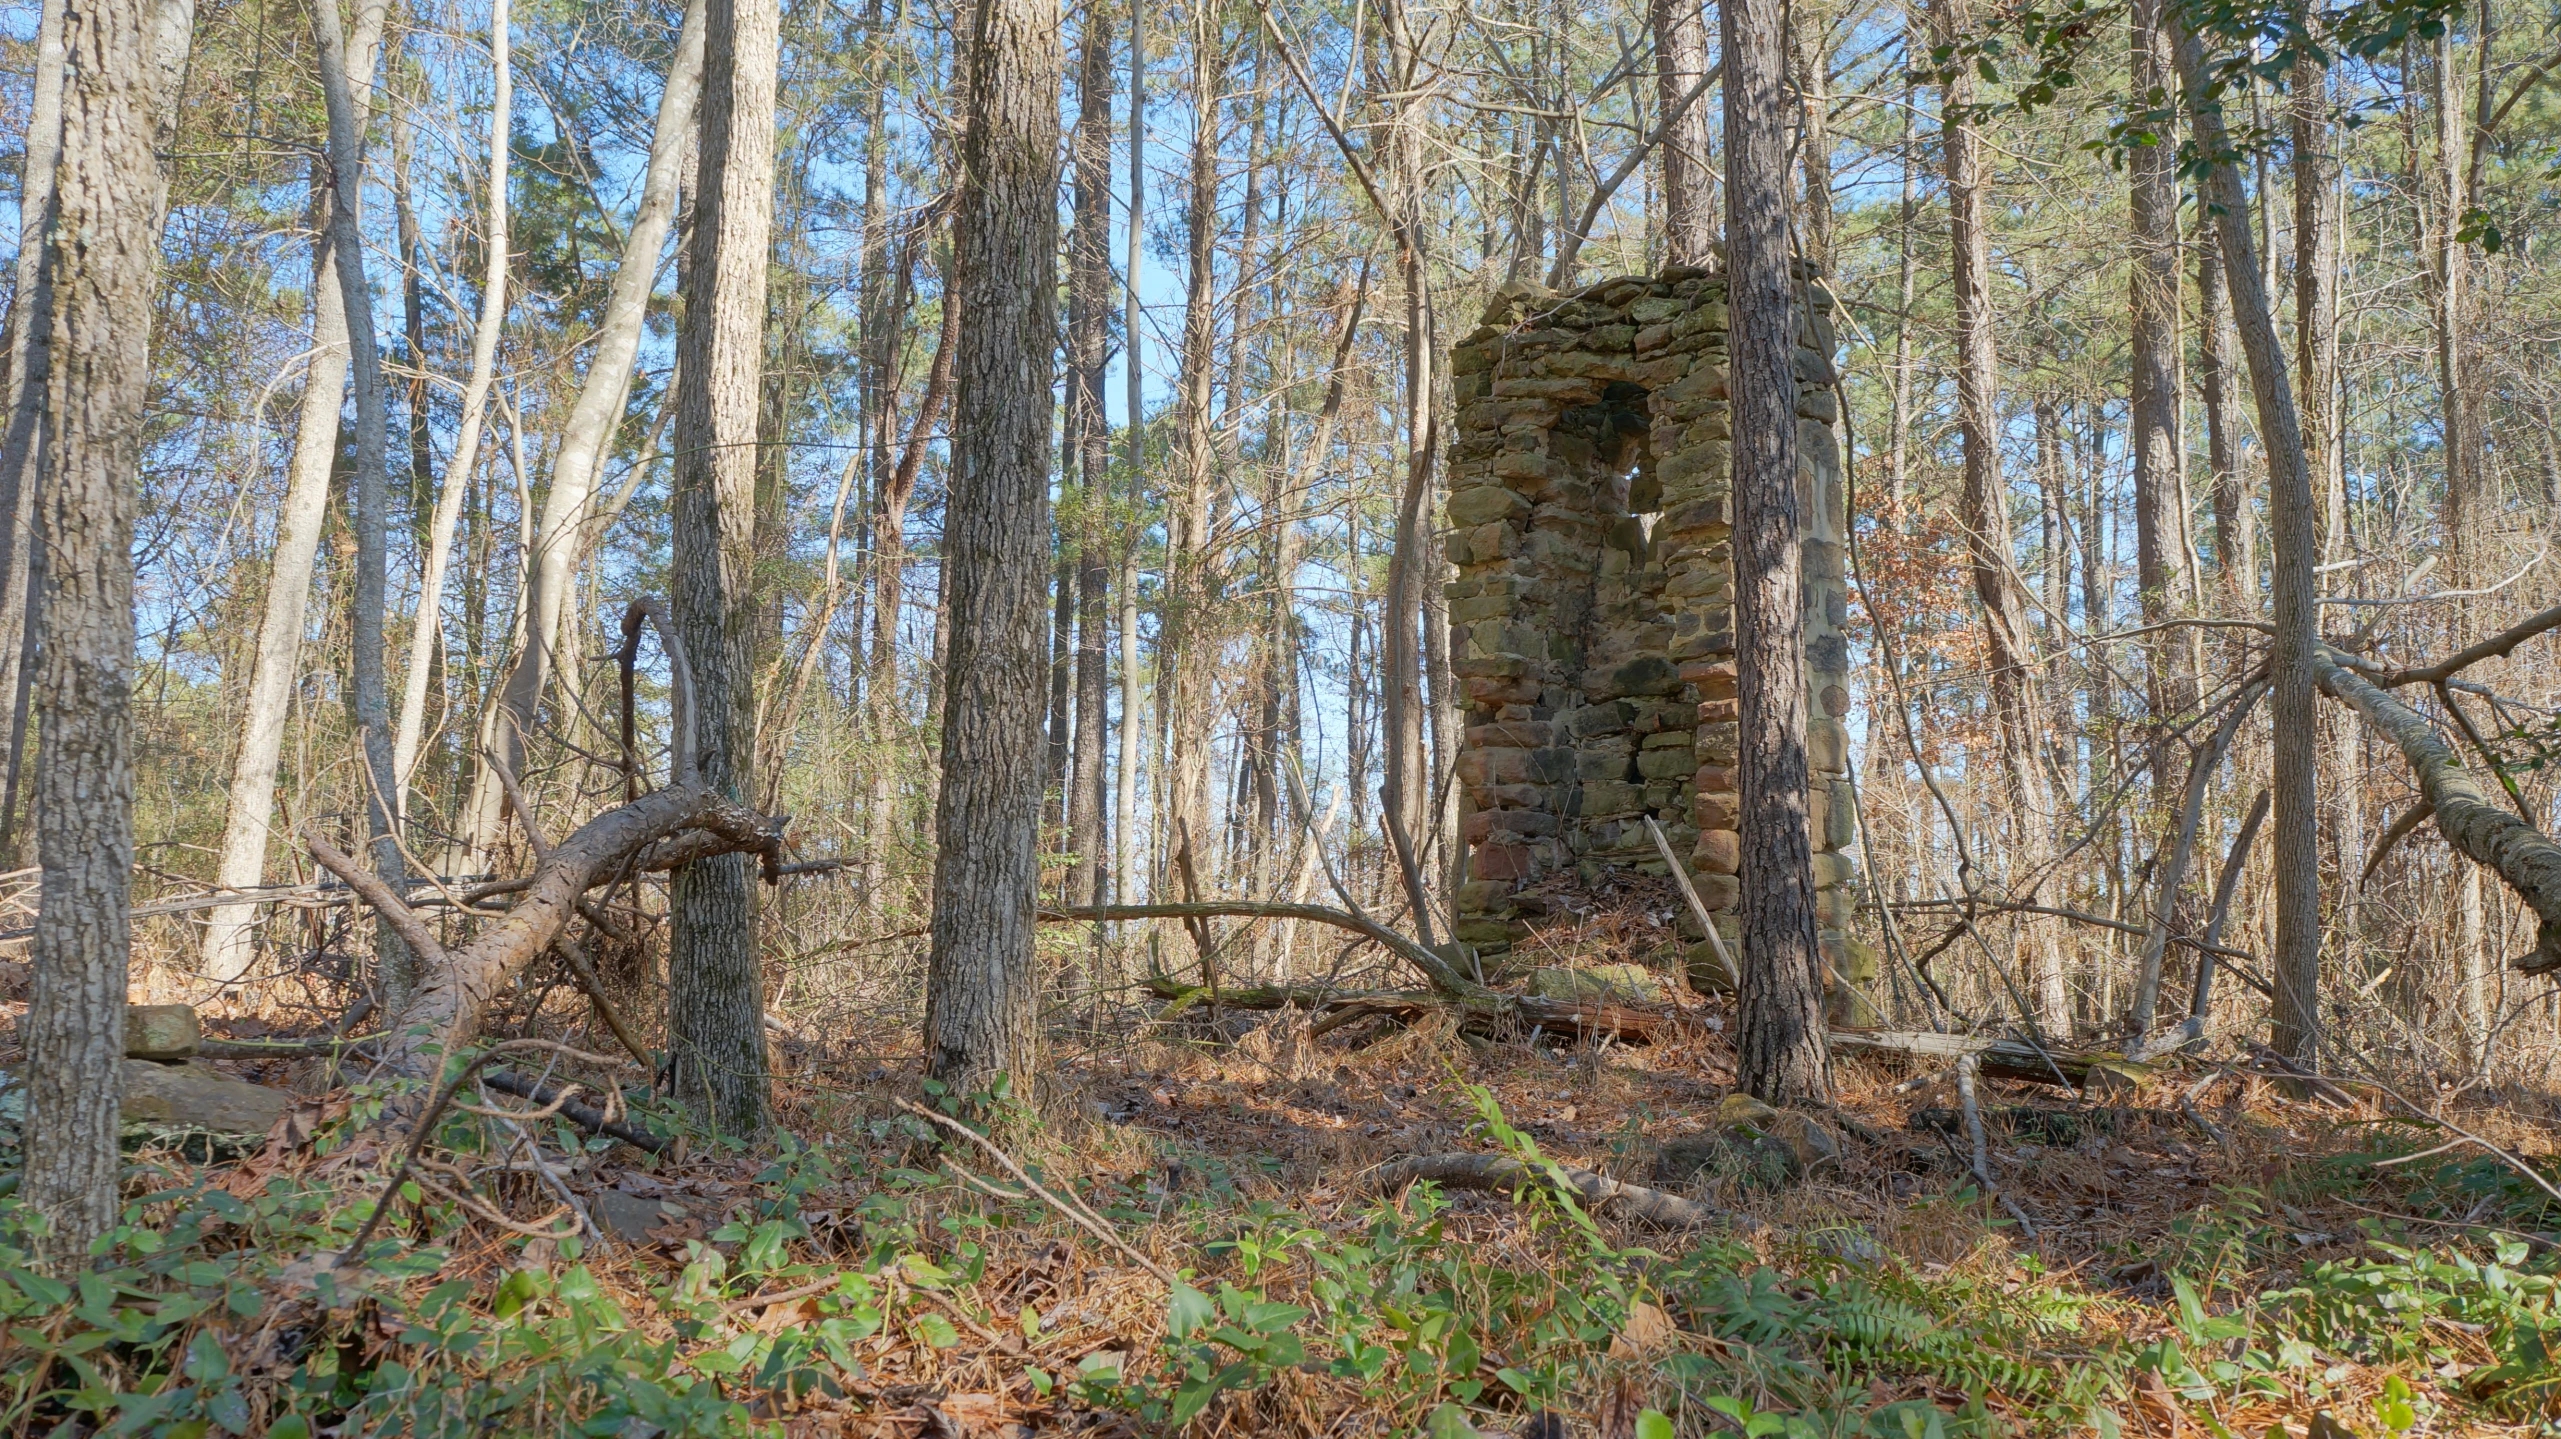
2480 826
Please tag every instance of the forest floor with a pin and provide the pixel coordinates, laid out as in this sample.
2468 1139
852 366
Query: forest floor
2209 1255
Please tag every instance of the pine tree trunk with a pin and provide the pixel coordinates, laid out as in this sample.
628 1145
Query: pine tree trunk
101 254
2153 411
1187 648
716 1009
1133 368
1784 1058
982 983
1809 40
1689 187
2465 481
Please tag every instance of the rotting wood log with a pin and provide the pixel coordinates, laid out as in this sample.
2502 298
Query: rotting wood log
1503 1174
2480 826
2004 1058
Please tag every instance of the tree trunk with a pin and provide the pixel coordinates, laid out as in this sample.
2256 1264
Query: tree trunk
982 984
2294 543
889 596
2466 483
602 398
29 364
1810 38
1089 282
1187 647
1689 186
2160 456
369 694
101 254
1402 796
1783 1056
2316 290
715 1005
1983 505
230 942
429 621
2236 565
1125 798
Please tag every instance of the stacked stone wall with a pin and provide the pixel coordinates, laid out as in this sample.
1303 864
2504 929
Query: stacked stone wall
1591 618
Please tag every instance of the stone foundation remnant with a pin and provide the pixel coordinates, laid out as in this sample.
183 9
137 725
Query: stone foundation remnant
1591 621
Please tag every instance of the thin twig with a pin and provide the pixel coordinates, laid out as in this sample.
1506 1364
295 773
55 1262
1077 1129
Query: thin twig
1085 1218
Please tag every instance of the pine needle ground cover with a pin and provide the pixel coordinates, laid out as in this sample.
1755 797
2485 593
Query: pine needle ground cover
2251 1266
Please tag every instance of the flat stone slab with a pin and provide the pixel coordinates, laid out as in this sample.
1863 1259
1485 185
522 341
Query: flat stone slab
166 1032
193 1096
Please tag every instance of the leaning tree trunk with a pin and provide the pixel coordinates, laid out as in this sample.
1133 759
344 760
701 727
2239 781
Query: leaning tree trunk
1784 1059
229 940
715 1003
2293 543
982 982
102 254
602 397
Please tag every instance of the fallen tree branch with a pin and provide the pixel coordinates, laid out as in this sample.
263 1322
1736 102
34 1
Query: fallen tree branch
687 815
2487 831
2005 1058
586 1116
1502 1173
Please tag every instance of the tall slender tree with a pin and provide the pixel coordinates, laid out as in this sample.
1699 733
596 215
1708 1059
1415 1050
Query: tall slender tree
229 941
1089 282
2293 544
1784 1057
1689 191
981 985
715 1006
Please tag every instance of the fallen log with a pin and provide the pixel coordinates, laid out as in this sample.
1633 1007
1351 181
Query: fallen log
2486 830
2004 1058
1633 1024
1504 1174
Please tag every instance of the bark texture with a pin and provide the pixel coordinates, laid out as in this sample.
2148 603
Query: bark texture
1089 430
982 987
102 249
1784 1060
2152 306
715 1006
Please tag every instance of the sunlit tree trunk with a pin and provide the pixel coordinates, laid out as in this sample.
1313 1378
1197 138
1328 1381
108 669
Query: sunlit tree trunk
2294 548
230 942
1783 1056
715 1005
552 568
1689 186
1088 343
982 984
